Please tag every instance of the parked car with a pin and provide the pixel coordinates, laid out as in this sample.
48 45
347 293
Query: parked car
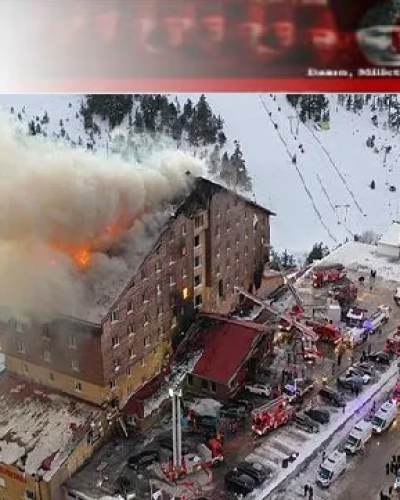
350 382
246 403
261 389
239 483
380 357
319 415
258 472
332 396
353 370
367 368
234 411
144 459
306 423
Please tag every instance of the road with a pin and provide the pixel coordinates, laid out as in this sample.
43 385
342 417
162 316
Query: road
367 476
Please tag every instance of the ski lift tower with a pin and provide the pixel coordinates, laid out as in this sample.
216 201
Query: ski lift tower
177 465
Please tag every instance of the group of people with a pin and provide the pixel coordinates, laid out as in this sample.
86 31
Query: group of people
308 491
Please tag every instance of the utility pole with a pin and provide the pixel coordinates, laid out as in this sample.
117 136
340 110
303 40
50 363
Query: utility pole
176 431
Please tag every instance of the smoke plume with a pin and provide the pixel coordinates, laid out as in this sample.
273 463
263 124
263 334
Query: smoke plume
73 224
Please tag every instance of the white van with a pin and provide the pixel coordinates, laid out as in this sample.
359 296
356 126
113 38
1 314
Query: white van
331 468
384 417
359 435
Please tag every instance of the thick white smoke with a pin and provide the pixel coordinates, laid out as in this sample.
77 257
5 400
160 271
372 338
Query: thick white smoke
56 197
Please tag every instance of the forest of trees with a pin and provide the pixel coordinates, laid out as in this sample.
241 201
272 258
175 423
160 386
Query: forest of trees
192 124
313 107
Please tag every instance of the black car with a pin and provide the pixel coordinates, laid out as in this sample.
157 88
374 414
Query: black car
144 459
318 415
333 397
233 411
246 403
306 423
380 357
258 472
367 368
239 483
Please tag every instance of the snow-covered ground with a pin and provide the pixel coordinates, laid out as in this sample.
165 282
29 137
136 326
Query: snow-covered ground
287 441
328 193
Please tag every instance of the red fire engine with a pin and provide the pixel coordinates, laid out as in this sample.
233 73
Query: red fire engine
392 345
328 274
272 415
326 332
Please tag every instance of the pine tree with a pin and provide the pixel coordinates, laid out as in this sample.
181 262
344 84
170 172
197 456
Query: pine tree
226 169
239 171
318 252
31 128
214 160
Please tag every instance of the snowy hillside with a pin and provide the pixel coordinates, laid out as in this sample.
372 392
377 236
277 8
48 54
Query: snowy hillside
325 196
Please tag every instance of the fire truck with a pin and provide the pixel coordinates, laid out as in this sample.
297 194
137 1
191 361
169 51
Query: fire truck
345 293
326 332
272 415
392 345
328 274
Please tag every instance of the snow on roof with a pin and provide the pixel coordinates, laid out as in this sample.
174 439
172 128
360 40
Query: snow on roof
362 257
392 235
38 426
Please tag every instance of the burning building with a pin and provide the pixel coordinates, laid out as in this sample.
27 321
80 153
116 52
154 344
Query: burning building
103 264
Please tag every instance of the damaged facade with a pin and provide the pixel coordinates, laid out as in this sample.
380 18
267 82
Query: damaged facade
215 241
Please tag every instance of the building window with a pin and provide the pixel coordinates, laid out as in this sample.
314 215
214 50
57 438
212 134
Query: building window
145 319
220 288
2 482
172 281
113 384
158 289
246 234
145 298
21 348
115 341
190 379
183 250
198 221
47 355
129 307
213 386
246 250
218 231
116 364
158 267
143 363
228 246
160 310
75 365
29 495
129 374
19 328
114 316
160 331
146 341
78 386
72 342
197 301
228 226
237 255
143 274
131 329
131 352
237 241
184 273
183 229
197 241
185 293
197 280
204 384
197 261
24 368
51 376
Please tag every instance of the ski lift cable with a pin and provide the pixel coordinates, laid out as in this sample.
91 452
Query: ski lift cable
318 213
339 173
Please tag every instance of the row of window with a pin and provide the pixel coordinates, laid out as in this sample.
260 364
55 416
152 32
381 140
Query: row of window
52 377
115 341
46 355
72 344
